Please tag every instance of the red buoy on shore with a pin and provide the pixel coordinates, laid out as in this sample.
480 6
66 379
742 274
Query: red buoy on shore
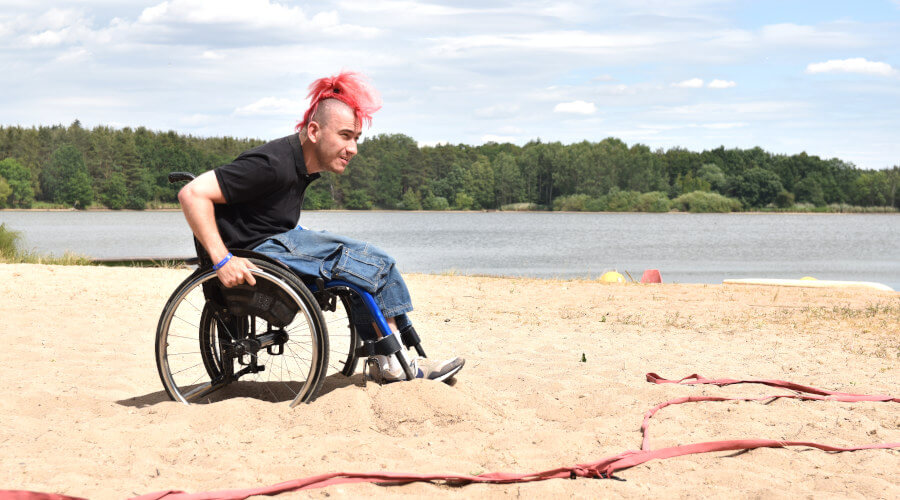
651 276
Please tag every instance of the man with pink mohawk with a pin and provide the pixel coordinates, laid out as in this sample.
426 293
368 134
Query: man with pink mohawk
254 202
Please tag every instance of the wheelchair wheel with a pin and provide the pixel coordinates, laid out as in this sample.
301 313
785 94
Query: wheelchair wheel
343 338
268 341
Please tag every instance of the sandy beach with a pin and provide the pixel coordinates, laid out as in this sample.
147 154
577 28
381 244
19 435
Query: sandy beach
555 376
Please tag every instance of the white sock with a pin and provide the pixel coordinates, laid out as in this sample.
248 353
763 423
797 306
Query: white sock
394 365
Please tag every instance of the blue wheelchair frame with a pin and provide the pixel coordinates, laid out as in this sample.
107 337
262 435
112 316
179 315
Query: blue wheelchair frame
388 344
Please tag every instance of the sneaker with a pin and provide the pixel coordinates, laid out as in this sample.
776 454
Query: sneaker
380 369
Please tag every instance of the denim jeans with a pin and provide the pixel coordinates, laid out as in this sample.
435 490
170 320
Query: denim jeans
331 256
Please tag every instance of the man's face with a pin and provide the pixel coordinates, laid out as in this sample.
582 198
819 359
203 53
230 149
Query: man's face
336 139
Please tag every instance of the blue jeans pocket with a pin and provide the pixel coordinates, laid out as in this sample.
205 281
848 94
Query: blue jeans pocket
284 240
367 269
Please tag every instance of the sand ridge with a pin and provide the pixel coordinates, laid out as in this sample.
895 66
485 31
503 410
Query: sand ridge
84 412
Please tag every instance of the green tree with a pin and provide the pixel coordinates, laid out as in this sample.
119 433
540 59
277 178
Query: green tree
432 202
317 199
481 183
19 181
810 190
712 174
79 192
757 187
508 183
358 200
464 202
688 183
64 163
784 199
5 192
412 200
115 193
679 162
871 188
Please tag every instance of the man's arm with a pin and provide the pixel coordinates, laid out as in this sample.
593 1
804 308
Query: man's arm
197 202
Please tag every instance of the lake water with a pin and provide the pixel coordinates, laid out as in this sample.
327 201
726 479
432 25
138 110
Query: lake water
686 248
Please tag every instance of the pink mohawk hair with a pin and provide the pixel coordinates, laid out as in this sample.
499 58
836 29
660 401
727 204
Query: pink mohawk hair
349 87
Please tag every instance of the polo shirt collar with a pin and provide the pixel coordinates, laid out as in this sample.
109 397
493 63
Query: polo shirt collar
299 162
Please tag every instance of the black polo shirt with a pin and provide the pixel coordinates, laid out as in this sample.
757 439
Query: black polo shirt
263 190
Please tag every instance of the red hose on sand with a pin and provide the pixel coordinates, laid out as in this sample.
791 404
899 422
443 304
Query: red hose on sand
601 469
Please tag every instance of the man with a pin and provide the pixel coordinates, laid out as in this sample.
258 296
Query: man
254 202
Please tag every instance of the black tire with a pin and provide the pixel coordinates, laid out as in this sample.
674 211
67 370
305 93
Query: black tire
268 341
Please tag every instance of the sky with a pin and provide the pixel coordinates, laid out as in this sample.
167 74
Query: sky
788 76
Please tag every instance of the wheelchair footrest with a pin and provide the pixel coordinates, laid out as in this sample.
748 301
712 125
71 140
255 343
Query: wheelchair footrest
386 346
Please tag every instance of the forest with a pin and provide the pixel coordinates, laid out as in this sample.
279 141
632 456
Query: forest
71 166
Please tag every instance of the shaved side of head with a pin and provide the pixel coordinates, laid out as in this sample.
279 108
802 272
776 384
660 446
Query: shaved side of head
325 110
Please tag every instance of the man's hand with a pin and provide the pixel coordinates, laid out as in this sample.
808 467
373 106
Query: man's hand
236 271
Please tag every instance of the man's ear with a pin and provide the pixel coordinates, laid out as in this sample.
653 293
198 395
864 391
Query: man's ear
312 132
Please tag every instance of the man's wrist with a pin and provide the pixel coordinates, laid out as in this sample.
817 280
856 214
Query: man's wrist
222 262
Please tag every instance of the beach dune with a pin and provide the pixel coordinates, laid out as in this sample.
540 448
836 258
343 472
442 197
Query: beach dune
555 376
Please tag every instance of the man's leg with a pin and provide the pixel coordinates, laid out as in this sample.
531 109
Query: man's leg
331 256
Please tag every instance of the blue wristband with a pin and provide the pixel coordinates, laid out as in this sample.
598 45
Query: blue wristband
223 262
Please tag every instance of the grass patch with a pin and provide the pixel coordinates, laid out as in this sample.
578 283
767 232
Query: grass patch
11 253
9 241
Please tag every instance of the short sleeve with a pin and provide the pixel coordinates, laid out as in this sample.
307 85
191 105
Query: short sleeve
249 177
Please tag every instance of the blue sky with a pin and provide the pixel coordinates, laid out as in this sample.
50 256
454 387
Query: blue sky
789 76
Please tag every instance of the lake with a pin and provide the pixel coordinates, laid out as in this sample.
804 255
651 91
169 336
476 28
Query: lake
686 248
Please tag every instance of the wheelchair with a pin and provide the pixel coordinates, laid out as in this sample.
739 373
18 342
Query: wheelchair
269 341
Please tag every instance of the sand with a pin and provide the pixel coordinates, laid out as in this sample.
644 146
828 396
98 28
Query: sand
83 412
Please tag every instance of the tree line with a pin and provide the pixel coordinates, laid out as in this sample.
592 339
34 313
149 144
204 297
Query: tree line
127 168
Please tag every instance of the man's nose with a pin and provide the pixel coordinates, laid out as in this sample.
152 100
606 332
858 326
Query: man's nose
351 148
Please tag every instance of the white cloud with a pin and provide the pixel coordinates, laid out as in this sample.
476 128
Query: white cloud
256 14
576 107
252 12
693 83
403 8
272 106
854 65
722 84
212 55
46 39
